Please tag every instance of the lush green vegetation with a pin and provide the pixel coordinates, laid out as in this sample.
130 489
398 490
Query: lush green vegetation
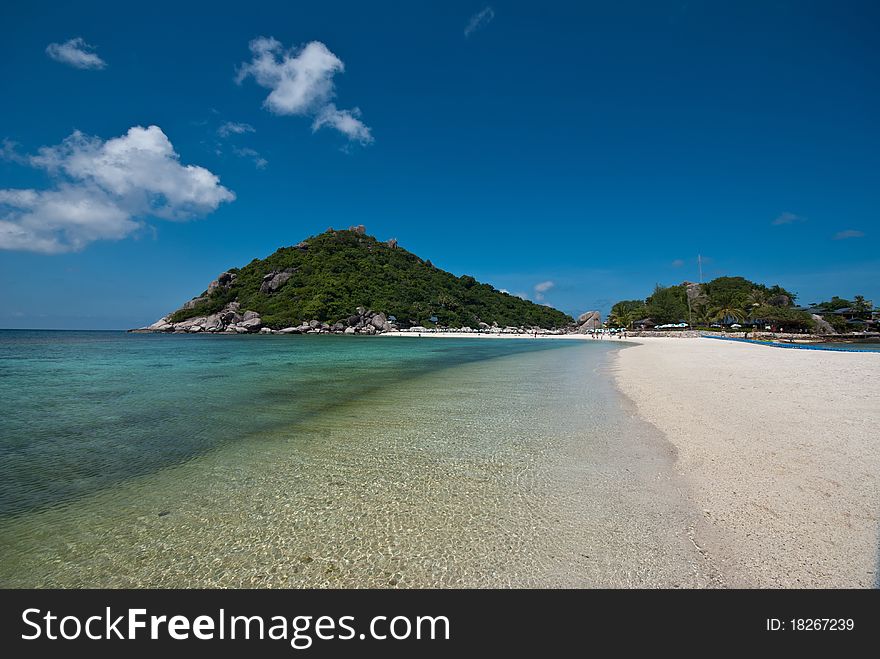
859 307
786 317
723 300
838 323
626 312
335 272
834 304
667 305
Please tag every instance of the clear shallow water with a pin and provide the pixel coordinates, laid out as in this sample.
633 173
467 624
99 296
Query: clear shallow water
84 410
150 460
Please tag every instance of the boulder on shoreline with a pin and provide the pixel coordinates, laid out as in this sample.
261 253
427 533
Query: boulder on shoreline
231 320
587 322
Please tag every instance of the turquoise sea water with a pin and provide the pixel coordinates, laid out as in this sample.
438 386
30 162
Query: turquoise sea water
177 460
85 410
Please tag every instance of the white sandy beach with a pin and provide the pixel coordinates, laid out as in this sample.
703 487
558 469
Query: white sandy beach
781 450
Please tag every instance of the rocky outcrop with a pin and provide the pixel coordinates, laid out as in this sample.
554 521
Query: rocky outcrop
224 280
195 301
252 325
696 294
161 325
275 280
587 322
380 322
780 300
363 321
230 320
229 315
822 325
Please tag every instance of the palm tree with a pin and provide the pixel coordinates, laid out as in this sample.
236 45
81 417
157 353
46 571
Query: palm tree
860 306
757 298
724 312
621 318
704 313
626 312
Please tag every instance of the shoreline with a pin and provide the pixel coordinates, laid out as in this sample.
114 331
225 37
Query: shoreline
779 455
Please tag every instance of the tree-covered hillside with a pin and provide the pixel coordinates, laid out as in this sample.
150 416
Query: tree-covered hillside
328 276
722 300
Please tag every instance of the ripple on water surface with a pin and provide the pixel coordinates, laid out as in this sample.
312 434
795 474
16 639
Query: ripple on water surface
523 470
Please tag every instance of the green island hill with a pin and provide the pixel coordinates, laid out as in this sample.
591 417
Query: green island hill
347 282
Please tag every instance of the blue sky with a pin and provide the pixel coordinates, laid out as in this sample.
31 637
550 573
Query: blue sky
576 153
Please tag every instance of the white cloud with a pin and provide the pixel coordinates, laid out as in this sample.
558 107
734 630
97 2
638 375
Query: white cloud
102 189
479 20
252 154
63 219
677 263
788 218
302 84
234 128
542 288
9 151
346 122
849 233
75 52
